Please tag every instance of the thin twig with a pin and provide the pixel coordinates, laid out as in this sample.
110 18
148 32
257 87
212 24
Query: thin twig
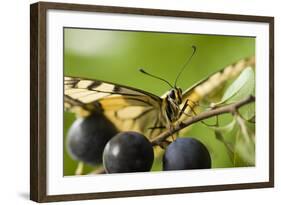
232 108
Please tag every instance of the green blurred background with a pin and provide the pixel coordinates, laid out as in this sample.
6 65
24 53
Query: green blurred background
116 56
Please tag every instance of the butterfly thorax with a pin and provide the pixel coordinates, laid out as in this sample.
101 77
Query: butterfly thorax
171 105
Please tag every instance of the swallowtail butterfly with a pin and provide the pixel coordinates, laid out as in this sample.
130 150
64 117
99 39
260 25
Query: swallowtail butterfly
137 110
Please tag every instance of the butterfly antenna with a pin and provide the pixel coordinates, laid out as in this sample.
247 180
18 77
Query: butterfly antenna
185 64
146 73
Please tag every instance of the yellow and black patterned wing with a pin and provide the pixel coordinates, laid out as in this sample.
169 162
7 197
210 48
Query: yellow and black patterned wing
127 108
211 85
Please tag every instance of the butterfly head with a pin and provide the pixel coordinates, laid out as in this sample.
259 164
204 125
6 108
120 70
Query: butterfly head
175 95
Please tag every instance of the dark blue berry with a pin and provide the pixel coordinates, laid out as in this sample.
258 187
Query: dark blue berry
88 136
186 153
128 152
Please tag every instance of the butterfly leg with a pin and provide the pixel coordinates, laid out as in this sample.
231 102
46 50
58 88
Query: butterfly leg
184 108
194 113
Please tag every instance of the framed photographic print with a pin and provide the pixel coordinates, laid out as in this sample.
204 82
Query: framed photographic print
134 102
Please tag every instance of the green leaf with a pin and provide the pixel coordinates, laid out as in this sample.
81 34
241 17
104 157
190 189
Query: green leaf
227 145
242 87
244 151
248 111
238 137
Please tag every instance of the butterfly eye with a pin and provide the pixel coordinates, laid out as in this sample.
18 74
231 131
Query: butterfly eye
172 94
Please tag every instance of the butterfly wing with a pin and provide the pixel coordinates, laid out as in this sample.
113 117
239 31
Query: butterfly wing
210 86
127 108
